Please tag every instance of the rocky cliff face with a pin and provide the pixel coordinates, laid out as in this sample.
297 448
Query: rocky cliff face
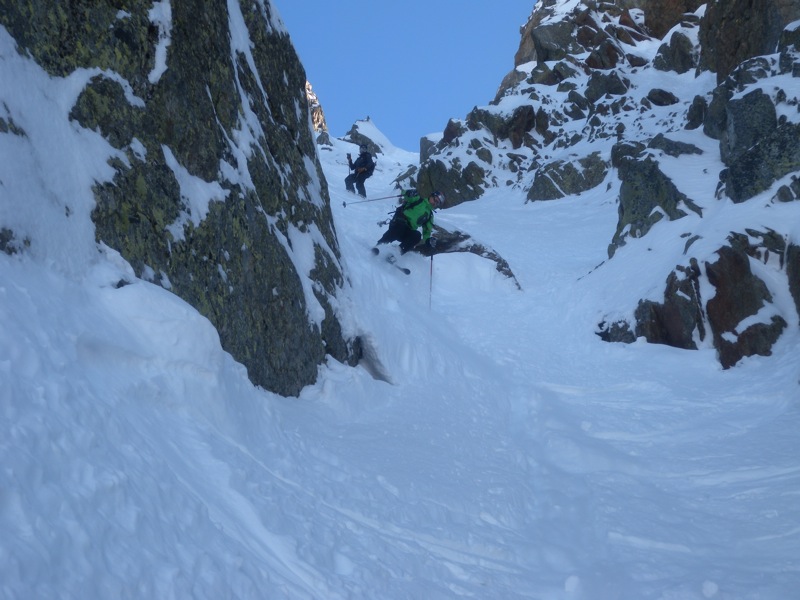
221 197
318 121
732 32
589 104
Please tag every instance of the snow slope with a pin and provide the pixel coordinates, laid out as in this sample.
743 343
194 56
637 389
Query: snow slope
513 454
490 446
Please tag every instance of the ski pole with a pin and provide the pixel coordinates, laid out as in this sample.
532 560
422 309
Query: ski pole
430 289
371 200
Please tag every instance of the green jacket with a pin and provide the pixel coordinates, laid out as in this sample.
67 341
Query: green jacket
418 212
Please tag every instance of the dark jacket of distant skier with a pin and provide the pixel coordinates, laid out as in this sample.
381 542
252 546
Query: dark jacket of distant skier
362 168
413 214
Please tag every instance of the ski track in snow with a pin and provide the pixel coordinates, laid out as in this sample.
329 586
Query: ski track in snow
575 451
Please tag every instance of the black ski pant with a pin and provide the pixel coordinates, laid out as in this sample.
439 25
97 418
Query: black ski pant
400 231
358 179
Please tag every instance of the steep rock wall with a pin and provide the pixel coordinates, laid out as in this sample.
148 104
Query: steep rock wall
735 30
222 199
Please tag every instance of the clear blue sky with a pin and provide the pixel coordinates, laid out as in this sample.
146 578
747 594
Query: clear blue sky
409 65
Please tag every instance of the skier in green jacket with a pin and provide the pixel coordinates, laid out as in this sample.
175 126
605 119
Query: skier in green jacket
415 213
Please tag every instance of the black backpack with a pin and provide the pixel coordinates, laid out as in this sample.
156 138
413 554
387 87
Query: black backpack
410 200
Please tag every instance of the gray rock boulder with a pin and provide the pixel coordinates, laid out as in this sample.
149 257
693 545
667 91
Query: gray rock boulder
679 55
750 119
671 147
551 42
757 168
646 195
696 114
739 295
562 178
661 97
678 321
459 183
604 83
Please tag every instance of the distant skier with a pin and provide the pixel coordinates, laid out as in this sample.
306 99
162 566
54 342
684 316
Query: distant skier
415 213
362 168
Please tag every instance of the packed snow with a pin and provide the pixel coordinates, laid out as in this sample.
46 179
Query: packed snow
488 446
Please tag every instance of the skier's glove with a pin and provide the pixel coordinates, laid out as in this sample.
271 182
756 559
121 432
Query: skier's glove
431 242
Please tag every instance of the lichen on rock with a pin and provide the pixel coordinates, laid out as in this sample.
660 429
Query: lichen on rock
224 97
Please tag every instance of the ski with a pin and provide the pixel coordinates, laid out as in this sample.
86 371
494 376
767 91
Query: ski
391 258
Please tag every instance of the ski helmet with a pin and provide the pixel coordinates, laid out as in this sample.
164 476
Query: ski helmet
437 199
